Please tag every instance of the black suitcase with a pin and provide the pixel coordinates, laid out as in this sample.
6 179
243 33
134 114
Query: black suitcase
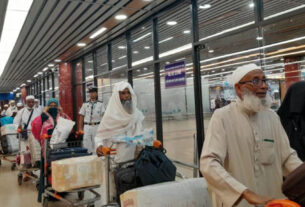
4 145
294 185
125 179
64 153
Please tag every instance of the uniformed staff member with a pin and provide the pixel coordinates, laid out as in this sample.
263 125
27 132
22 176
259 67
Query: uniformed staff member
91 114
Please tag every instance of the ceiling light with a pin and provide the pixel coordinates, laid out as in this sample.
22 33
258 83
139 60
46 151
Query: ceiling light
187 31
205 6
167 62
39 73
165 40
211 51
145 68
139 70
51 65
259 38
171 23
81 44
122 47
142 37
120 17
146 47
251 5
282 59
135 52
90 61
113 61
57 60
29 81
45 69
98 32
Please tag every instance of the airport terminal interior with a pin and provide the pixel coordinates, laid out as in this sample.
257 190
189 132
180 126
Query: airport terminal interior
178 56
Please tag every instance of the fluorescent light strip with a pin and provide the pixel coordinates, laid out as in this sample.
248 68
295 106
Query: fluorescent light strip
284 12
13 21
165 40
122 57
98 32
254 49
89 77
142 37
227 30
122 66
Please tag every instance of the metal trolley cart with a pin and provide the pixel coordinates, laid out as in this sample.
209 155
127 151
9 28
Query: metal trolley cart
26 172
49 192
8 157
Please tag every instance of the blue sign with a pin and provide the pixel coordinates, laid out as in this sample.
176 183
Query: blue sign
175 75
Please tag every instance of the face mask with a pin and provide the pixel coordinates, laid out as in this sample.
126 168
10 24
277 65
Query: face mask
53 111
127 105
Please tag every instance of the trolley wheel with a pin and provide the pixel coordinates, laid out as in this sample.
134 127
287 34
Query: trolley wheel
45 201
13 167
81 195
20 177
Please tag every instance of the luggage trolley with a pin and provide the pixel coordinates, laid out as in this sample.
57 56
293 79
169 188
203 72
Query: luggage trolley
49 192
10 155
26 171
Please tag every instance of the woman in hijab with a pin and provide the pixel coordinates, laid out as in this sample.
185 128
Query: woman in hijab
292 115
45 124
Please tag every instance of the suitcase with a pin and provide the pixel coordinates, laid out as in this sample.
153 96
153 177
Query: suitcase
9 144
294 185
63 153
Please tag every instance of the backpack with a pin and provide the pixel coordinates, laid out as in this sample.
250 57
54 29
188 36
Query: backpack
154 167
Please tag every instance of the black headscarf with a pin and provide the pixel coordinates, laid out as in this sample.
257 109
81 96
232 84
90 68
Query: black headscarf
292 114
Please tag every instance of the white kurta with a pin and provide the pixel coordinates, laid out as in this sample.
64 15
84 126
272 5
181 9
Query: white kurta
21 119
245 152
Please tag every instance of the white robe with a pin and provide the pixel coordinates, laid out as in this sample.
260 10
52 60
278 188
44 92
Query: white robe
21 119
11 110
245 152
116 121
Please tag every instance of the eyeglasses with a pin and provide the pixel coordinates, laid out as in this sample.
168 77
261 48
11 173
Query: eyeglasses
257 82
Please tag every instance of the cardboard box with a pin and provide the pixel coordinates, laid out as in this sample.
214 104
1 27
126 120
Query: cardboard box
190 192
74 173
9 129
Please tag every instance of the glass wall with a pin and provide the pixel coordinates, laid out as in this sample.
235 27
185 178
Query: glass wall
228 38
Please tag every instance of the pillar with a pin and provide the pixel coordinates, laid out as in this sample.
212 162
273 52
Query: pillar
65 88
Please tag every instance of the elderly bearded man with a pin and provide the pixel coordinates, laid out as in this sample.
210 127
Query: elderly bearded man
246 152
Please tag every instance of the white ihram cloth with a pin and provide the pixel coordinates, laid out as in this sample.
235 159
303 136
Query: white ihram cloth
117 120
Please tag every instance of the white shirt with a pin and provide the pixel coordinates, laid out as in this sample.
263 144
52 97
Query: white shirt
243 151
3 112
23 116
92 111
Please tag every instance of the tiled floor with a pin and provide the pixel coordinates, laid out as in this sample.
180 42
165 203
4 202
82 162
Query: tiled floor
178 140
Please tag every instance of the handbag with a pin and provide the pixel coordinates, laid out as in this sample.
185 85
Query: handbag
24 132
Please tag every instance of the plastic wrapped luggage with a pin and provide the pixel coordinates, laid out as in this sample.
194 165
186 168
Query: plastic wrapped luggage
9 144
74 173
190 192
9 129
6 120
294 185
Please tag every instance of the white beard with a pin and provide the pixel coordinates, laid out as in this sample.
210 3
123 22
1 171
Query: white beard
255 104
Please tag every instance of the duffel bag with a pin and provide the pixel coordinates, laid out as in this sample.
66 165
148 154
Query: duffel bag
153 166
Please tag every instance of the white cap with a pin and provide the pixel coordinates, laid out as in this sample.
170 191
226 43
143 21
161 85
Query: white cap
12 101
19 104
29 97
241 71
5 105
